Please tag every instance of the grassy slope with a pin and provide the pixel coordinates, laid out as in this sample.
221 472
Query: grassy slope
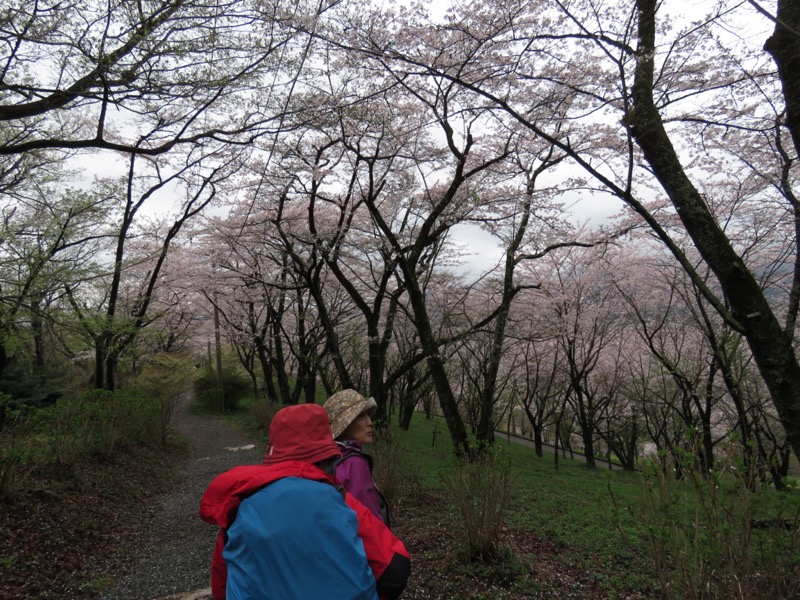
559 527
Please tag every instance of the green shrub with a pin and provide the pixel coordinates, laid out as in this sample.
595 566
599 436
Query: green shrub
725 534
15 444
480 487
264 410
95 425
235 387
166 377
393 470
31 384
504 570
100 423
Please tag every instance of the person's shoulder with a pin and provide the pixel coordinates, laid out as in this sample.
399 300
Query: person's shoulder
241 476
353 457
300 494
350 448
303 484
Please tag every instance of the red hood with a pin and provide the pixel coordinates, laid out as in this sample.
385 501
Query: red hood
222 498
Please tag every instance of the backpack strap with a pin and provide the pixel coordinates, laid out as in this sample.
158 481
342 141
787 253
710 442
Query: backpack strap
351 452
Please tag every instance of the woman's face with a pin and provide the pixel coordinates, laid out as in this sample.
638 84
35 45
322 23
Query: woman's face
359 430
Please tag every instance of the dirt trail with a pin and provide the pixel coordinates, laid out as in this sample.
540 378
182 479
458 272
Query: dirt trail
173 554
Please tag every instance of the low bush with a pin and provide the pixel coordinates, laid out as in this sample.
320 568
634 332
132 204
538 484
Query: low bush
14 445
393 469
235 387
480 487
263 411
100 423
724 534
94 425
166 377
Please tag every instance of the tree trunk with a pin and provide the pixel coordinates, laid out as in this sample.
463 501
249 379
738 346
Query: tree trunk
99 361
771 346
784 46
262 351
436 366
37 329
406 413
218 355
555 442
586 421
279 363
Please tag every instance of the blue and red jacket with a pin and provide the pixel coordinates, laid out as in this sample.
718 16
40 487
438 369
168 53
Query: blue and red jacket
386 555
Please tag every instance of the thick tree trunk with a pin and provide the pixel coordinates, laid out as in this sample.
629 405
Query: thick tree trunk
266 368
536 425
436 366
485 427
37 329
406 413
538 443
100 361
331 340
784 46
586 421
771 346
3 358
262 352
218 356
377 367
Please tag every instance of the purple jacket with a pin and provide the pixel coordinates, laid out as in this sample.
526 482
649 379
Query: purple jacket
354 471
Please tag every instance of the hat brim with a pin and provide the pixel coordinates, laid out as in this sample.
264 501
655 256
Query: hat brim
314 456
371 407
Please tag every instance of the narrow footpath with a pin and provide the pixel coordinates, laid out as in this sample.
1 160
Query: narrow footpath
172 557
600 463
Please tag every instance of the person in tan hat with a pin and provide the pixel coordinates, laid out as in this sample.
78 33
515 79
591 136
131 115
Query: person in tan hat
351 424
288 530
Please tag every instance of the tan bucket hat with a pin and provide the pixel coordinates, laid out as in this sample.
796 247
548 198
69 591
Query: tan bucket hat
345 407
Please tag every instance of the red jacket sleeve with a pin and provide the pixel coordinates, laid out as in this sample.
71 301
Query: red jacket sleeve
219 570
386 554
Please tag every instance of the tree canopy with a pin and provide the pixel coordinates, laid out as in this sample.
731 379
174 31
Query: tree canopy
306 172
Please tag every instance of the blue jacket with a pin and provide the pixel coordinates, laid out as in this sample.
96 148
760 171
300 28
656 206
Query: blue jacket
266 559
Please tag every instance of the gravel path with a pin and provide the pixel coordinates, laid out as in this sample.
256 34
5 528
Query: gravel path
175 546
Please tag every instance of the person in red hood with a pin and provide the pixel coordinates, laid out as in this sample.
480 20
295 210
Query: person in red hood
288 530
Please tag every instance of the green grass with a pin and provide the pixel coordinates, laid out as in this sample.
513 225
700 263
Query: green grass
569 506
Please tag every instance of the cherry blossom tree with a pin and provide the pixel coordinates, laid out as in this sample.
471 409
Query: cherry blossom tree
258 286
112 330
675 342
142 77
171 86
582 304
646 90
380 195
714 393
539 386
